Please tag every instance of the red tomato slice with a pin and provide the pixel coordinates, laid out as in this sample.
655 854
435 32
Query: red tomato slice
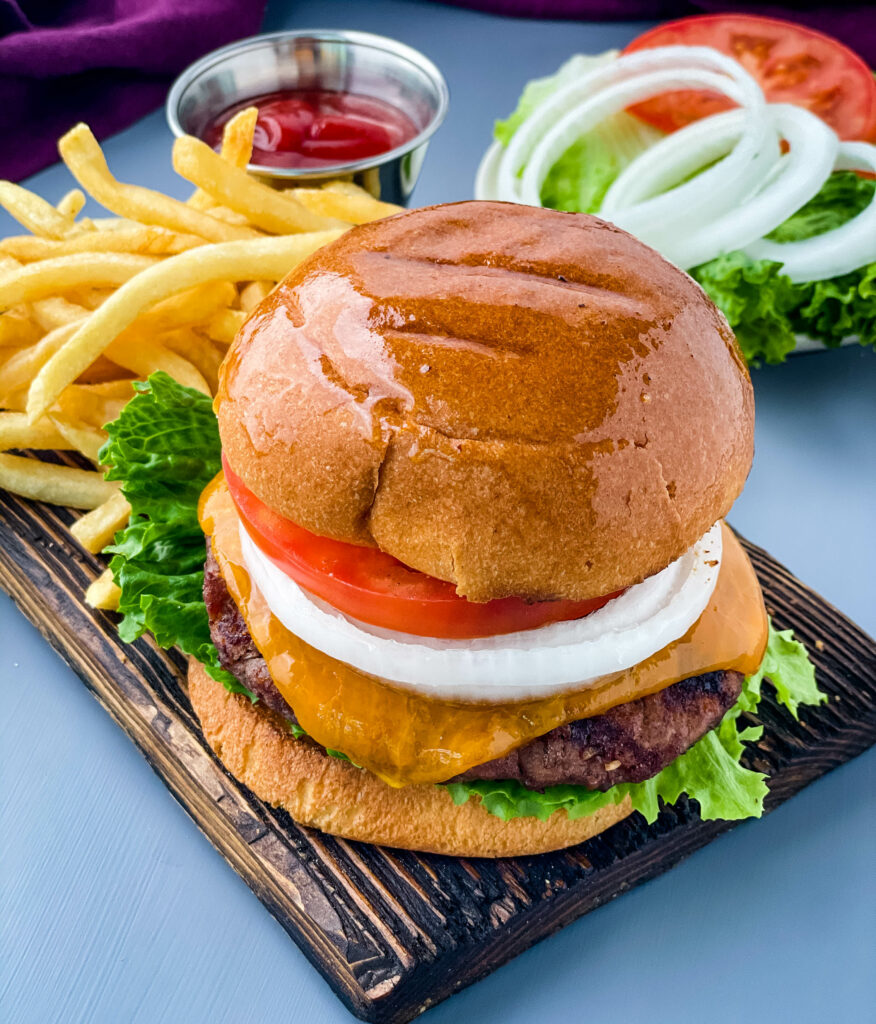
376 588
793 64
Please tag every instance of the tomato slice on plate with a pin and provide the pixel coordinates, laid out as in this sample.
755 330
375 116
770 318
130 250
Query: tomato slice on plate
793 64
376 588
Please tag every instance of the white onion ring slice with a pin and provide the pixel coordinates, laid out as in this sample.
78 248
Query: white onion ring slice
486 184
836 252
799 175
607 73
674 157
714 191
516 666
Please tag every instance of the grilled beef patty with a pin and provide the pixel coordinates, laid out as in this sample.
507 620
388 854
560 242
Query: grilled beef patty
628 743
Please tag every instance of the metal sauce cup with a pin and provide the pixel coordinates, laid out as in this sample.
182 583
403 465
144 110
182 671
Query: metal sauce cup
339 61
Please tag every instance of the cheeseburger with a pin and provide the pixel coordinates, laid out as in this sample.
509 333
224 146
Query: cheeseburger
467 550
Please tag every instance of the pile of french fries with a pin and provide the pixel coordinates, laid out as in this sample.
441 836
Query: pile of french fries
89 305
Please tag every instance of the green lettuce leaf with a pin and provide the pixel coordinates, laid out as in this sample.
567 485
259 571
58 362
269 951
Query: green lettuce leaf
579 180
757 299
538 90
844 195
838 308
165 449
787 666
766 310
709 772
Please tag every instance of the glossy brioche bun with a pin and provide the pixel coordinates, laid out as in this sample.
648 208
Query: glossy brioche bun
326 793
516 400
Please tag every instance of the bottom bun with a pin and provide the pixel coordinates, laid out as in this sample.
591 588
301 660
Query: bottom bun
327 793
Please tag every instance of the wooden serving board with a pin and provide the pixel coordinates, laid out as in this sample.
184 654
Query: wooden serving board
395 932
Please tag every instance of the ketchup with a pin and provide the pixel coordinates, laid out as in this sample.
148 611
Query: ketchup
317 128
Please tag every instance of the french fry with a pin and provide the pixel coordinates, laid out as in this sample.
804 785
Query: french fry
237 138
16 432
33 212
81 437
56 311
95 404
266 257
91 297
192 306
64 273
71 204
345 188
17 328
358 207
198 349
222 327
81 152
103 593
101 371
19 370
105 224
142 239
97 528
58 485
233 187
228 216
253 293
145 356
15 401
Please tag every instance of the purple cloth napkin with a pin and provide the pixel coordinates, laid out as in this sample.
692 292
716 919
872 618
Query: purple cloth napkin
107 62
852 23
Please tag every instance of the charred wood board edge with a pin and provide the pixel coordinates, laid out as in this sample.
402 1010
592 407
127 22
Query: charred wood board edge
395 932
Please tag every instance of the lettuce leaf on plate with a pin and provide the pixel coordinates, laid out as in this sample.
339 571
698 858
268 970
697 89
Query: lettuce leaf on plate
164 447
580 178
844 195
757 299
709 772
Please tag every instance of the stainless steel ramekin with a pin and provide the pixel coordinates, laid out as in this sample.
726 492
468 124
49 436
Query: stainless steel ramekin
320 59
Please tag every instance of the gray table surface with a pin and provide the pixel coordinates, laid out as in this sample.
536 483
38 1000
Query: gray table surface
115 908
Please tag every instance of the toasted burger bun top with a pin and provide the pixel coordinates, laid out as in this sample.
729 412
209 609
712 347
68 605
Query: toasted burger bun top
517 400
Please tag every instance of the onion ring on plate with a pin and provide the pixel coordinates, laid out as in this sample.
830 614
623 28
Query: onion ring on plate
677 156
608 73
514 666
592 110
660 219
790 182
535 125
836 252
